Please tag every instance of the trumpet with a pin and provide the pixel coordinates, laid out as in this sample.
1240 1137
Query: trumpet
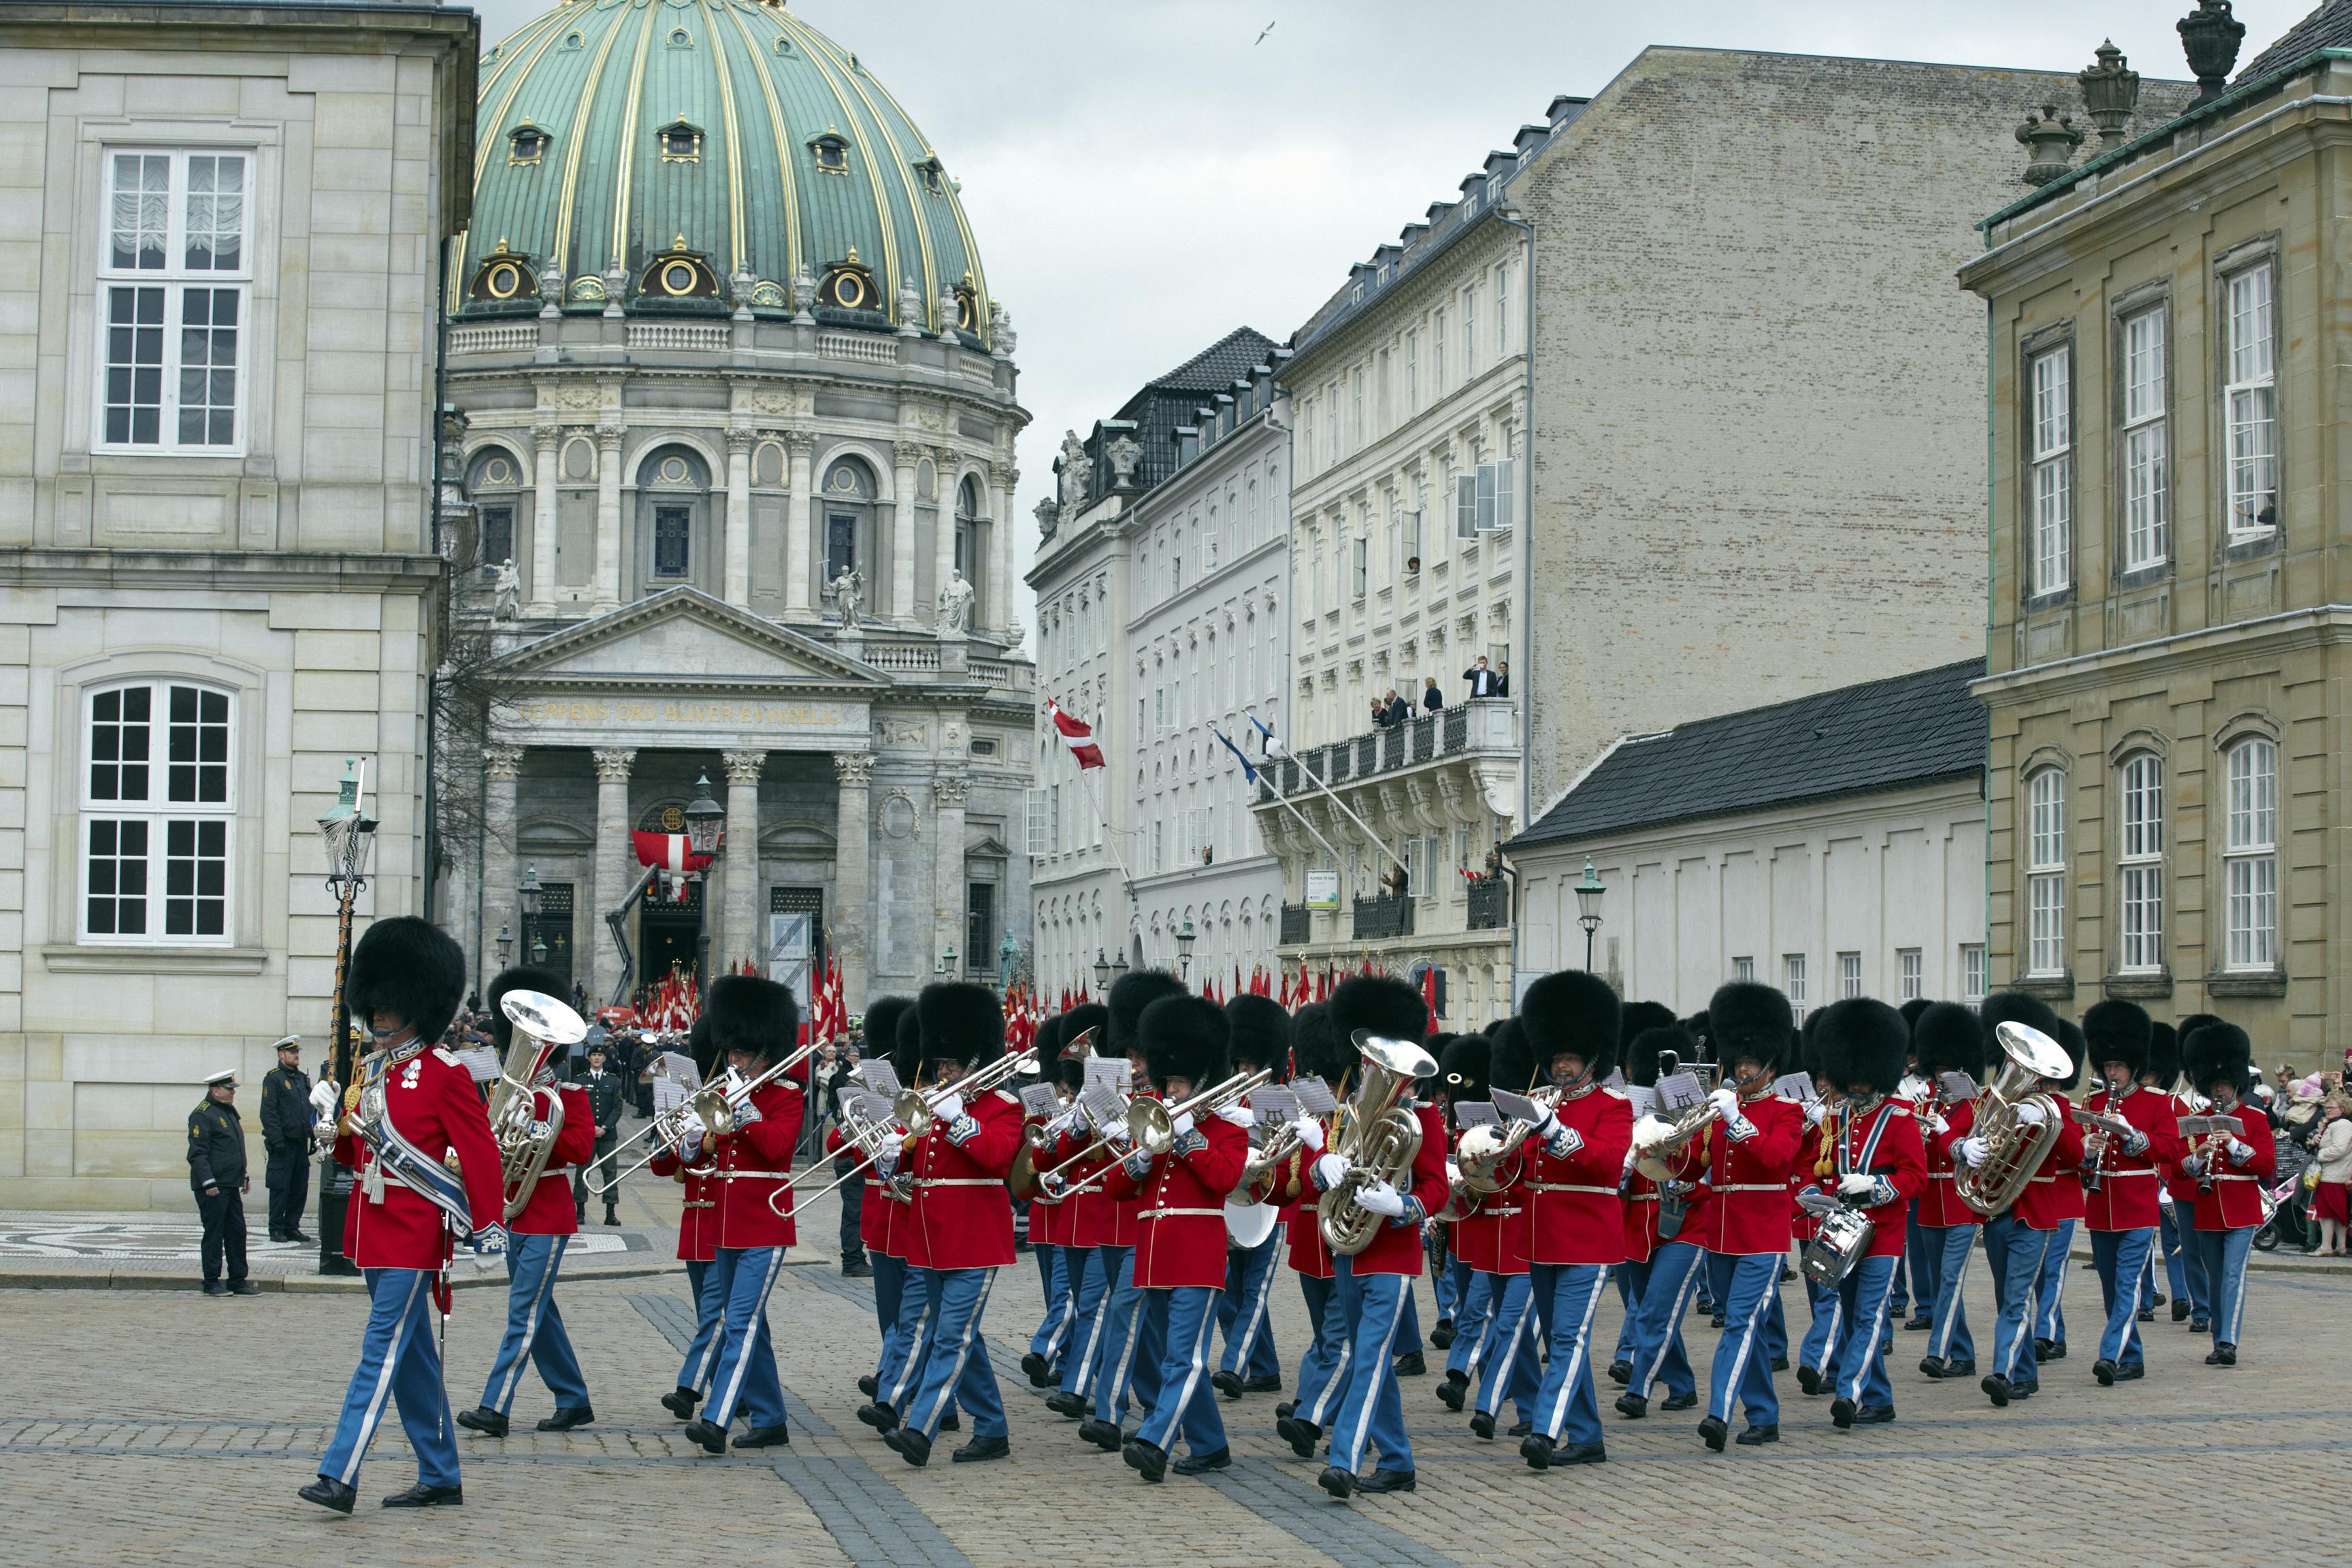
1483 1151
912 1115
1151 1124
715 1105
1655 1138
1105 1117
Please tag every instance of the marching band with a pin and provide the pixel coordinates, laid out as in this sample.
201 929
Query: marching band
1173 1153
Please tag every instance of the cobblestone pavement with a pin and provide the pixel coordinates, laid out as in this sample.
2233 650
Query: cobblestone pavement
151 1427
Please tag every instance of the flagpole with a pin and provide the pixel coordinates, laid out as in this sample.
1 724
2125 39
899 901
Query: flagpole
1375 839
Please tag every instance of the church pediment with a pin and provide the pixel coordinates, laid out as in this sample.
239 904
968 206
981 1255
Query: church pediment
685 637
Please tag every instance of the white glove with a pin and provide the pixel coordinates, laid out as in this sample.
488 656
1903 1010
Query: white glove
1725 1102
2163 1198
1814 1111
323 1096
1936 1123
885 1159
1856 1185
1971 1152
1310 1134
2240 1152
1550 1124
1182 1124
1238 1116
950 1108
693 1131
2030 1114
1329 1171
1382 1199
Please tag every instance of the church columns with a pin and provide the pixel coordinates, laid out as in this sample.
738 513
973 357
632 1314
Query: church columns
851 889
742 931
1001 477
799 604
500 833
616 866
906 454
738 519
943 526
608 516
543 524
947 869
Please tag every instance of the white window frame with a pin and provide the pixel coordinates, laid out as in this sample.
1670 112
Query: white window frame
1743 970
2250 854
2147 441
1437 351
2045 871
1412 371
2050 493
1503 310
1359 565
2139 864
1975 978
1036 823
2249 399
173 281
1910 974
1849 975
1470 332
155 812
1792 980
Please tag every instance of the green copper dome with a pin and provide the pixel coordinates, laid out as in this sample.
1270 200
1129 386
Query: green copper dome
685 156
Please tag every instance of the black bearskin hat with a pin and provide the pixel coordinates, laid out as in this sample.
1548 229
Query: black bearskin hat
1511 1058
1911 1011
907 1046
1318 1052
1377 1004
2117 1031
1462 1066
880 1026
1862 1040
1257 1035
410 968
961 1022
1128 998
1571 1011
522 977
751 1014
1645 1058
2014 1008
2219 1052
1748 1019
1947 1038
1051 1068
2190 1025
704 1050
1637 1018
2070 1037
1183 1037
2163 1067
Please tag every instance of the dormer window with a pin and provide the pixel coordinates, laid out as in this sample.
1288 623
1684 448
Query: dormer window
678 273
503 276
832 152
967 298
848 286
527 143
681 143
679 38
934 177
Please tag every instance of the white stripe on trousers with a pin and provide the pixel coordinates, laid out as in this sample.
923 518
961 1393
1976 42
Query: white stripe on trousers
919 1345
1184 1400
2131 1324
723 1408
1336 1383
1510 1352
1674 1325
530 1325
2032 1306
1256 1309
1087 1366
1849 1378
1382 1370
1122 1369
1837 1321
1764 1299
1066 1307
962 1353
1940 1346
383 1385
1558 1416
2238 1314
712 1341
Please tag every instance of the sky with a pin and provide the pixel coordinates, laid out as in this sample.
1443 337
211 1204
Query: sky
1145 175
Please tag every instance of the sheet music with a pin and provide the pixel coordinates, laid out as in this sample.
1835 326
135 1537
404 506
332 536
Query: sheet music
480 1061
1470 1113
1958 1087
1106 1107
1616 1079
1314 1095
869 1107
1038 1099
1110 1072
1797 1086
1681 1091
2209 1126
1518 1107
1274 1103
1644 1099
2114 1125
880 1077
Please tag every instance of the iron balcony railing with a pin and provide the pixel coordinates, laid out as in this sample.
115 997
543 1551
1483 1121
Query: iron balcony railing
1383 917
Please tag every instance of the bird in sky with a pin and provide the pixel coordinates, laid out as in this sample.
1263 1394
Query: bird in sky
1261 37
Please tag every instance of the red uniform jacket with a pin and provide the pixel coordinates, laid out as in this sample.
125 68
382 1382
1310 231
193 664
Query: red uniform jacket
1571 1182
1395 1246
873 1215
754 1162
2045 1204
549 1211
1180 1230
1883 1143
698 1216
1939 1202
431 1098
1640 1198
1747 1179
2126 1198
2236 1200
962 1208
1802 1226
1493 1236
2178 1183
1303 1221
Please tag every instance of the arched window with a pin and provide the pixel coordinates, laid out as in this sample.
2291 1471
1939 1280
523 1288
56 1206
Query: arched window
2250 854
2045 872
846 503
673 518
969 521
494 484
2139 864
158 801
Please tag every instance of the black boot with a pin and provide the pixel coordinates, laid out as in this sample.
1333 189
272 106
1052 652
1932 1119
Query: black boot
680 1402
710 1436
777 1436
329 1493
1149 1458
564 1420
422 1496
483 1419
980 1450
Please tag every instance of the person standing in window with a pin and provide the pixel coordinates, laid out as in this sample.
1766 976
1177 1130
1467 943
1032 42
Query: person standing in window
1430 698
1503 678
217 1173
1481 679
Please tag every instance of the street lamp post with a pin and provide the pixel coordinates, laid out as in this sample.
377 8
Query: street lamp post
1102 972
1184 941
348 834
1587 908
705 820
505 943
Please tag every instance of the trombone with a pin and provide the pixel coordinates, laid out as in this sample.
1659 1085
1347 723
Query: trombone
716 1104
912 1115
1152 1126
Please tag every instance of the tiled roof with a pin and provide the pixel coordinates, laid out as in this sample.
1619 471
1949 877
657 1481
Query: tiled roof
2329 27
1215 368
1859 740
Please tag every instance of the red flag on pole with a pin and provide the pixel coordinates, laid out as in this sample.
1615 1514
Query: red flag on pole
1079 736
1429 995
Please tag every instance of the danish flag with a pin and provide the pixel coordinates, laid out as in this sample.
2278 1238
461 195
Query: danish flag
1079 736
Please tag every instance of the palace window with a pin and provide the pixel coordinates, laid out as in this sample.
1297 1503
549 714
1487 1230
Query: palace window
1502 311
1743 970
1849 975
1792 980
1469 334
1412 371
2251 403
1974 977
2249 852
2148 513
2045 872
526 143
2139 864
1483 499
2053 432
157 802
1911 973
175 278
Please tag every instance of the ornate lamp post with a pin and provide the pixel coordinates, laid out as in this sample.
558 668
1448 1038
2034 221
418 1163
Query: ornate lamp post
1184 941
705 821
1587 908
505 943
1102 972
348 834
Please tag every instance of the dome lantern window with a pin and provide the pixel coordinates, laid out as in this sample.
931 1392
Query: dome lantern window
831 151
681 141
527 143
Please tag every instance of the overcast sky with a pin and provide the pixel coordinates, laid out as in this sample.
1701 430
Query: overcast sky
1145 175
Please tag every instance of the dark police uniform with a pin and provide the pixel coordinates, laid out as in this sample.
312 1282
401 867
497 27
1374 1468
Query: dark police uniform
217 1162
286 1133
605 1092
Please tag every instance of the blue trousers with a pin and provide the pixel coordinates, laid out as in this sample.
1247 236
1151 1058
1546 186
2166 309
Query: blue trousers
1676 1269
1749 1283
1371 1310
400 1361
1083 1266
1898 1285
2223 1253
745 1373
709 1313
2018 1276
2121 1259
1474 1305
1445 1283
1506 1362
908 1341
1244 1308
535 1329
2049 1323
1408 1334
1826 1333
1568 1299
1776 1322
956 1371
1127 1354
1054 1330
2184 1261
889 1286
1865 1301
1950 1339
1186 1317
1916 1262
1323 1370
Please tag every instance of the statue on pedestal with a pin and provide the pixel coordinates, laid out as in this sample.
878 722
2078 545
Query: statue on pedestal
955 602
849 596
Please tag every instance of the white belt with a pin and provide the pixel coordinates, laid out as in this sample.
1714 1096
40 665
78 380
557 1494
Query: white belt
702 1204
2143 1172
1173 1214
963 1182
1941 1176
752 1176
1497 1214
2227 1176
1641 1197
1565 1187
1780 1187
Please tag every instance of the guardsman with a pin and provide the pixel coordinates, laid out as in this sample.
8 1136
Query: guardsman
1258 1038
1948 1039
2229 1172
216 1175
2066 1199
1049 1226
1640 1193
1910 1289
1677 1271
1374 1286
1323 1370
2122 1175
2020 1242
1084 1221
405 980
965 1215
755 1024
1754 1146
1576 1157
906 1343
1817 1354
537 1237
1477 1244
1873 1162
1180 1244
606 1093
1648 1241
684 1163
287 1117
2192 1294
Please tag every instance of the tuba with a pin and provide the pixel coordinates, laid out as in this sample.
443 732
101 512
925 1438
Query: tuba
1376 1137
2015 1150
542 1025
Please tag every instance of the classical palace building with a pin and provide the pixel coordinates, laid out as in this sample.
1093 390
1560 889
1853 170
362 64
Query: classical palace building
740 417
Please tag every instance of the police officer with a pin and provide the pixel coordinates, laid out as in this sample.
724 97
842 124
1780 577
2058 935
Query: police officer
604 1090
286 1119
216 1173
